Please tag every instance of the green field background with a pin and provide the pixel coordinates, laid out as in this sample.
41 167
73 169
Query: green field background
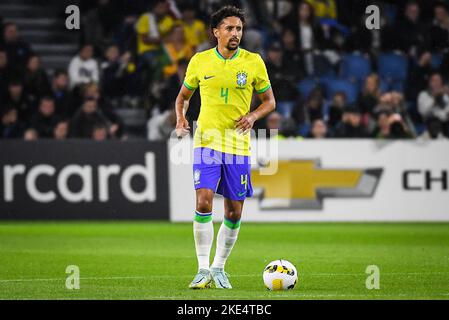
148 260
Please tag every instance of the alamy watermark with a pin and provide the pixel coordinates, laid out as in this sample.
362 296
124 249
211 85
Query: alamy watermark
373 279
73 20
264 150
72 282
373 20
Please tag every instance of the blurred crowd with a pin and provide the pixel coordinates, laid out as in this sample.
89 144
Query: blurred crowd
332 77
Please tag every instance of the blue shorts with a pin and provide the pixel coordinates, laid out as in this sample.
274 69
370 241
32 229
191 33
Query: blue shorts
224 173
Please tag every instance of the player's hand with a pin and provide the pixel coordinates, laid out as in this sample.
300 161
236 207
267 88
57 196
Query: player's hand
182 128
425 59
245 123
113 129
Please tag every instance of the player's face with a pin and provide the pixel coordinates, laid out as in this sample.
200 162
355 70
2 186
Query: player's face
412 12
3 59
229 33
319 129
436 82
10 33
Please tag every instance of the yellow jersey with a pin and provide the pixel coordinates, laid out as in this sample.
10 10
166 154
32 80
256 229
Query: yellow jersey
185 53
195 33
143 27
324 9
226 88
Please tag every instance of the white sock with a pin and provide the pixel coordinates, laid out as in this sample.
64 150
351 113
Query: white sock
203 232
226 238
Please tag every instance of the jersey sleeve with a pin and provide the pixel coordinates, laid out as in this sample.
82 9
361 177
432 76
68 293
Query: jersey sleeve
142 25
262 82
191 80
166 25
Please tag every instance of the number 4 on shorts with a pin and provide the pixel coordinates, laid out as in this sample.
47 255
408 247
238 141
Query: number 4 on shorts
244 180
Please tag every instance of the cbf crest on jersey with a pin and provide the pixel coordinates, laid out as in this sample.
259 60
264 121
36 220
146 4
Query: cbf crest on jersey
242 76
196 176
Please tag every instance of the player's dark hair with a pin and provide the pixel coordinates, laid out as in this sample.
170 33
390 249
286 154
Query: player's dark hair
84 45
183 62
8 108
8 24
99 125
442 5
311 18
59 72
412 3
342 94
187 6
383 112
15 82
47 98
225 12
435 73
154 3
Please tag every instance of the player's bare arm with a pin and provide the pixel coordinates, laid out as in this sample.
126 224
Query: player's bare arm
182 104
245 123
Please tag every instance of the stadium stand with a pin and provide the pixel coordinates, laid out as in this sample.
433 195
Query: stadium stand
329 60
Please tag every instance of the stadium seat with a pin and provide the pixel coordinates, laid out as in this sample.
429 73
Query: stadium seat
304 129
437 59
338 84
135 120
326 107
384 86
285 108
322 66
420 128
435 62
324 79
392 67
306 86
355 67
397 86
333 23
390 12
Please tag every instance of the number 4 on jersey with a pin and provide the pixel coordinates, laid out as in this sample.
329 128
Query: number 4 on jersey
224 94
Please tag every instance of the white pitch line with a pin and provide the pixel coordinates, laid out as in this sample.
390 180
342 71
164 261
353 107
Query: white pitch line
382 273
86 278
232 276
275 296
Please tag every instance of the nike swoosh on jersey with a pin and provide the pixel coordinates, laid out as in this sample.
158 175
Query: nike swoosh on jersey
241 194
206 78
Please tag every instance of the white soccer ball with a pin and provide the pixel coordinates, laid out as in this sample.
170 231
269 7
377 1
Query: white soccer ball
280 275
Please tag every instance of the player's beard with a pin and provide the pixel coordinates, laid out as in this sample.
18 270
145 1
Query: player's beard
232 47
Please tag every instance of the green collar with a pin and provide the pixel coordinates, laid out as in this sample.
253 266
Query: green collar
223 58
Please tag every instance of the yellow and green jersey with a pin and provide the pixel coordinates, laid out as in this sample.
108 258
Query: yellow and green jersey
143 27
195 32
226 88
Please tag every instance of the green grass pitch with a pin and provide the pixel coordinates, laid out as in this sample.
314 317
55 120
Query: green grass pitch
151 260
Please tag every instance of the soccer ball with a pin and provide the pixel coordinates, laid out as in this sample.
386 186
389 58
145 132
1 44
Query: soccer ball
280 275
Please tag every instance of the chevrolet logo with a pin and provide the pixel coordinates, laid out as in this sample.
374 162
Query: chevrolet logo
302 184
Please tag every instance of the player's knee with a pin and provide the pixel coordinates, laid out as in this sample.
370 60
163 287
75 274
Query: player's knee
204 205
234 216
